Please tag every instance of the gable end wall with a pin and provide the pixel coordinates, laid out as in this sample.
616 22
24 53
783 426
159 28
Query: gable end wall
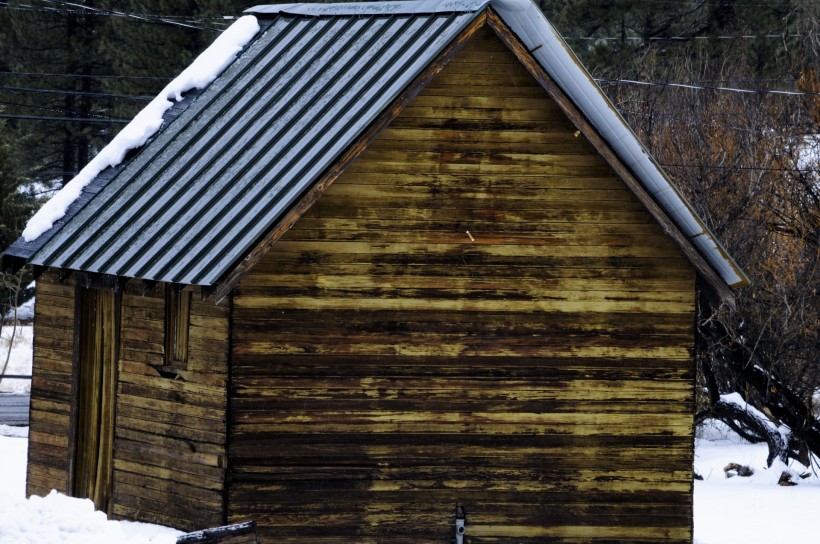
479 312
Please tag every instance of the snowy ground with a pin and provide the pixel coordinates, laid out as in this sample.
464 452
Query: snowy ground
753 510
19 340
57 519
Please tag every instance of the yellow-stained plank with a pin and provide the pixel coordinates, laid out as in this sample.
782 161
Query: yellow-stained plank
511 184
536 248
571 303
136 470
36 437
469 194
182 427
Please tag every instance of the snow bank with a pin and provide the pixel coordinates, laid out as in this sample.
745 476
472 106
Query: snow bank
737 400
753 510
24 312
20 360
57 519
198 75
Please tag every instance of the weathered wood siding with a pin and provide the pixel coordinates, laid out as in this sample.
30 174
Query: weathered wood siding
476 312
170 436
169 450
50 414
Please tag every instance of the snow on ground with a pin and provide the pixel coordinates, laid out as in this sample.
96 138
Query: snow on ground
24 312
20 361
749 510
57 519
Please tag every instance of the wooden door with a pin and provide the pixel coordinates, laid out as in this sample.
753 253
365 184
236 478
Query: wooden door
95 397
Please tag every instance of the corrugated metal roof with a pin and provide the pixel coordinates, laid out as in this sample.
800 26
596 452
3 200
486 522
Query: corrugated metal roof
197 199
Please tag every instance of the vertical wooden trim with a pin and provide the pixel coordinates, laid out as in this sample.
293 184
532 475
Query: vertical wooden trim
177 326
693 405
116 381
94 399
74 395
284 224
226 483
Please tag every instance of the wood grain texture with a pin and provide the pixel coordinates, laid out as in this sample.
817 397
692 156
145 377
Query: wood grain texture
50 412
170 437
477 311
170 456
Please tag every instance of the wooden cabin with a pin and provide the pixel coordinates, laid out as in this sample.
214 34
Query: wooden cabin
398 257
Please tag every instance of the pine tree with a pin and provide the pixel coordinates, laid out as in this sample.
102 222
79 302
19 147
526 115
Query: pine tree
60 40
16 205
612 36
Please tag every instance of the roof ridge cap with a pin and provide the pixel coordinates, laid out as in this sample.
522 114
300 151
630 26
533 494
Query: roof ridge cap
402 7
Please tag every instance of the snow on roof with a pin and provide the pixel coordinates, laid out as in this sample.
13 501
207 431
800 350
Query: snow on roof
198 75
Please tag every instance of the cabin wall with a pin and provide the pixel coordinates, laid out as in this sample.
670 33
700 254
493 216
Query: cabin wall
169 450
170 434
477 312
50 413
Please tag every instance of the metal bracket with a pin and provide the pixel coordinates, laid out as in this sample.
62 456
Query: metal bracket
461 520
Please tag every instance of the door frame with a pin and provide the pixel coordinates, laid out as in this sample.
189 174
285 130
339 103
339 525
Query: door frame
83 289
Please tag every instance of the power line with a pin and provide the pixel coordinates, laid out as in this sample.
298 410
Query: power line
146 18
109 121
730 167
58 110
704 87
94 76
35 90
687 38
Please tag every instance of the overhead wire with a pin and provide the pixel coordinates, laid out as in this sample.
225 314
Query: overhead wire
35 90
110 121
704 87
59 110
731 167
146 18
75 8
93 76
687 38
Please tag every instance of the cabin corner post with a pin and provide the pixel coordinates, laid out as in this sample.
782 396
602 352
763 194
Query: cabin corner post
226 485
74 392
51 387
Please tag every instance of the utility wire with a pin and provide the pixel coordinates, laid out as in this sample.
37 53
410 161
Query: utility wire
704 87
715 3
21 90
94 76
109 121
687 38
160 18
756 168
58 110
112 12
147 18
